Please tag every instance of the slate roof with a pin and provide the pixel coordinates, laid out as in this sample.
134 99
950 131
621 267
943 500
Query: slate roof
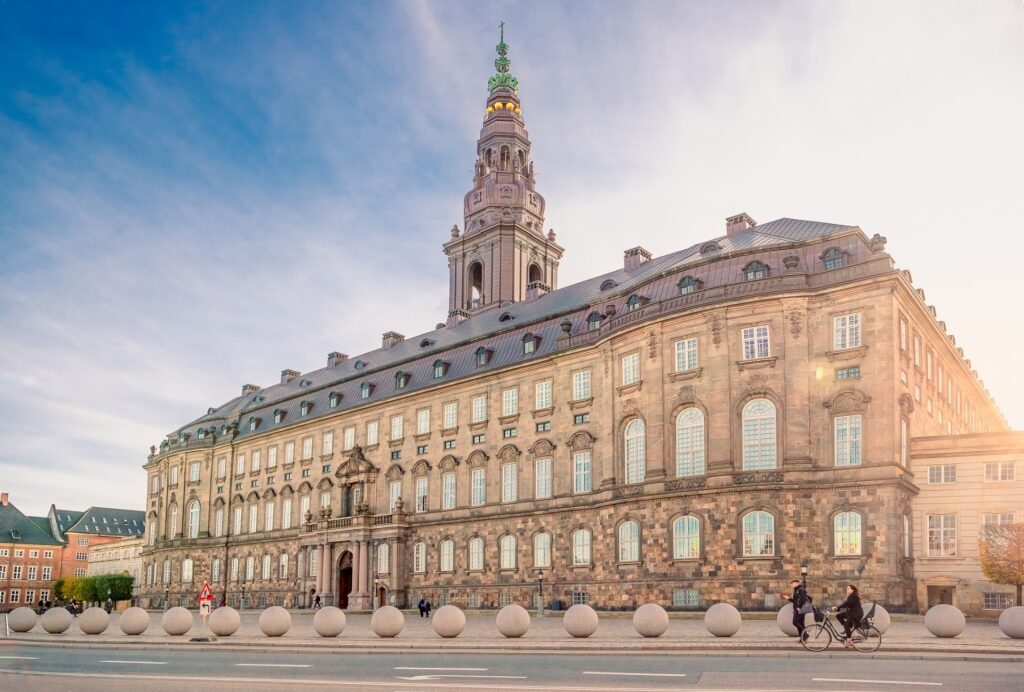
655 279
104 521
44 524
62 520
15 527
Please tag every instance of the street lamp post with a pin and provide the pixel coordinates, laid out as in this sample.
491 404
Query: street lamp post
241 605
540 592
167 598
803 573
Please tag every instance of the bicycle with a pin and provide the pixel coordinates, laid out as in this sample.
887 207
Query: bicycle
819 636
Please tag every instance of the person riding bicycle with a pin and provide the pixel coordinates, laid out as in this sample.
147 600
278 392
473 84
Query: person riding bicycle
850 613
801 604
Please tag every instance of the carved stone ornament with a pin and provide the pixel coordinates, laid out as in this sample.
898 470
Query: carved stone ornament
509 453
542 447
627 491
477 458
399 504
309 517
630 407
791 262
395 473
847 401
906 404
716 323
448 463
758 386
581 440
687 394
747 478
878 243
796 320
652 345
685 484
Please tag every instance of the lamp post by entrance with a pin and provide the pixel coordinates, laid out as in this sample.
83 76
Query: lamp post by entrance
241 604
803 573
540 593
167 598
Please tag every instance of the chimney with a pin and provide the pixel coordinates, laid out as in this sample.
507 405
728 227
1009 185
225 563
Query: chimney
634 257
289 375
250 389
535 290
334 358
389 339
738 224
3 499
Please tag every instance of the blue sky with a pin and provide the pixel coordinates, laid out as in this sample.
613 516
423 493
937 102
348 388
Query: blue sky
196 196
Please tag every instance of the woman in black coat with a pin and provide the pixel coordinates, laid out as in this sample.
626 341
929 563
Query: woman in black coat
850 612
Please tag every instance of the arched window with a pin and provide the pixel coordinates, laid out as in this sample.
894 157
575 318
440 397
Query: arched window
759 442
476 553
542 550
594 321
419 557
581 547
447 550
686 538
218 522
834 258
636 452
167 571
535 273
193 519
507 546
152 531
506 158
758 534
476 284
633 303
282 566
383 558
250 568
688 284
690 442
186 570
253 513
846 532
629 541
215 570
266 566
268 516
755 270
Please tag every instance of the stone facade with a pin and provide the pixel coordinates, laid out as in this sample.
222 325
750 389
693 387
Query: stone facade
761 384
122 556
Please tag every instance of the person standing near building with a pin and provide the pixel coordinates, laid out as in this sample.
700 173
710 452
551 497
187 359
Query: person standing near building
801 604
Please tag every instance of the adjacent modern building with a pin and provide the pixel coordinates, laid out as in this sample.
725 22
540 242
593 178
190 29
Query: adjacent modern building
682 429
123 556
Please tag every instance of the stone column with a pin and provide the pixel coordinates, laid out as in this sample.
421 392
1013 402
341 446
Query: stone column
658 449
795 418
319 572
328 578
354 548
364 565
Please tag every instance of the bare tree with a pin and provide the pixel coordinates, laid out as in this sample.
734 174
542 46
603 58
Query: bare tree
1002 555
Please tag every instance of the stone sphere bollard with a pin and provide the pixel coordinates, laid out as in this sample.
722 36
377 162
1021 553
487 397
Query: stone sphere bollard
387 622
275 621
176 621
650 620
580 621
22 619
134 621
945 621
94 621
513 621
784 619
56 620
1011 622
448 621
882 620
329 621
224 621
723 620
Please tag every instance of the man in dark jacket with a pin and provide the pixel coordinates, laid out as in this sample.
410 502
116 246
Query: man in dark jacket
800 600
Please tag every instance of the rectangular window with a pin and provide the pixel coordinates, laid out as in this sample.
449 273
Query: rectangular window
256 460
846 331
542 395
755 342
508 432
939 379
543 479
944 473
992 520
286 513
580 598
581 418
509 483
631 369
397 427
307 448
289 453
928 364
239 467
154 483
904 345
396 455
686 355
236 521
581 472
478 487
480 408
510 402
685 598
174 473
479 439
917 393
348 438
423 421
421 449
917 351
372 432
47 573
997 601
17 569
303 507
272 457
449 444
421 494
314 558
394 492
543 426
327 443
268 517
253 511
904 441
941 535
996 471
848 440
451 415
448 491
850 373
15 595
581 385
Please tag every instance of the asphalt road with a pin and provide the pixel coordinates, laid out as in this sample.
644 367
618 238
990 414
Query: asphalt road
27 668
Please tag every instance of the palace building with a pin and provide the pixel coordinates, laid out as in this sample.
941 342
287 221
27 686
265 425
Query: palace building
684 429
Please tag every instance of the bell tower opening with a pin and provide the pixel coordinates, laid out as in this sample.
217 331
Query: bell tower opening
476 285
535 273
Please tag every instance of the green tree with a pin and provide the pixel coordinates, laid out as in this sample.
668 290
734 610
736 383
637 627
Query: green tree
117 586
59 587
1002 555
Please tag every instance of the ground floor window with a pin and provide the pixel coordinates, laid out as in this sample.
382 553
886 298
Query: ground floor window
685 598
474 600
580 598
997 601
504 599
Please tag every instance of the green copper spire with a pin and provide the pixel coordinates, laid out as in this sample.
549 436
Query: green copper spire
502 64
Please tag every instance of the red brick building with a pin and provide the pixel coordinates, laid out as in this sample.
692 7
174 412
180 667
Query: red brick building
29 557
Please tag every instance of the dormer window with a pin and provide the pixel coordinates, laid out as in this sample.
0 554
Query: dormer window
359 365
754 271
505 317
633 303
201 433
608 284
530 344
305 383
365 389
688 284
253 424
401 380
258 399
305 407
834 258
710 248
426 343
594 321
483 356
334 400
440 369
278 416
181 437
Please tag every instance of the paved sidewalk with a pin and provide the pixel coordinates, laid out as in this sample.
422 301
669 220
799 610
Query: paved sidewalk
615 633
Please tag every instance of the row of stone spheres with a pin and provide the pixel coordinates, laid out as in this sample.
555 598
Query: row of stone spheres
650 620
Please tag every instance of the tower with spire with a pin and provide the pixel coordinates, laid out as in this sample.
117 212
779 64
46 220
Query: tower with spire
503 254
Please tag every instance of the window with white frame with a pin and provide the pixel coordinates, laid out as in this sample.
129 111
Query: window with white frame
303 508
325 499
267 564
394 492
686 354
629 541
397 427
581 472
507 551
174 474
685 598
239 465
846 331
630 369
581 385
383 558
847 431
509 402
286 513
236 521
997 601
256 460
904 343
348 438
253 515
542 550
272 457
904 441
448 491
327 443
282 566
928 364
250 568
193 471
479 408
173 523
636 451
686 538
289 452
759 437
758 534
233 572
917 350
423 421
476 553
222 463
307 447
581 547
372 432
193 519
941 535
447 552
314 562
846 533
167 571
542 395
690 442
451 414
154 484
478 487
218 522
997 471
906 536
268 517
509 483
421 494
993 520
755 342
942 473
542 477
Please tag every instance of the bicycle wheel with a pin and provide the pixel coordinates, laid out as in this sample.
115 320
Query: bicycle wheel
867 640
816 638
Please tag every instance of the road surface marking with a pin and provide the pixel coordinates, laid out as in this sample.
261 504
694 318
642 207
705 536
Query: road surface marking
646 675
454 669
141 663
275 665
23 658
475 677
879 682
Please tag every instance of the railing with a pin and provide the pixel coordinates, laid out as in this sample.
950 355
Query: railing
381 519
340 523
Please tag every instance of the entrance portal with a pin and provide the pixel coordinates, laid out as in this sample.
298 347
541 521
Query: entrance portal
382 597
940 594
344 579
